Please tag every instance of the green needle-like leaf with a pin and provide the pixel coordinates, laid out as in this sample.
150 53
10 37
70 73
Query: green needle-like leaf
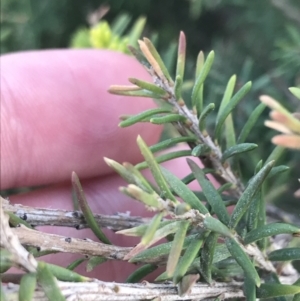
160 250
93 262
200 150
178 88
181 55
139 56
148 86
130 174
229 127
295 91
158 59
249 289
213 224
275 171
27 287
73 265
207 255
249 193
272 290
166 157
136 31
186 260
230 107
183 191
14 220
177 246
149 199
286 254
139 117
238 149
211 194
250 123
152 227
270 230
65 274
49 283
202 76
242 259
208 109
197 102
170 142
155 170
87 212
140 273
168 118
120 24
134 92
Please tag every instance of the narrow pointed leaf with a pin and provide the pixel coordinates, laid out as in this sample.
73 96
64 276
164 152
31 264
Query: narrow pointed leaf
49 283
141 230
177 246
207 255
160 250
295 91
238 149
120 24
183 191
276 154
87 212
159 234
230 107
139 179
148 86
134 92
213 224
200 150
129 174
270 230
14 220
186 260
251 122
181 55
158 59
139 117
249 193
136 31
149 199
139 56
197 102
94 261
168 118
202 75
186 284
170 142
272 290
211 194
140 273
286 254
206 111
64 274
73 265
243 260
27 287
275 171
155 170
229 128
178 88
151 229
166 157
249 289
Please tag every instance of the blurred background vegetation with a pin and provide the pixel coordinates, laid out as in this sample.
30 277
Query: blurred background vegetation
256 40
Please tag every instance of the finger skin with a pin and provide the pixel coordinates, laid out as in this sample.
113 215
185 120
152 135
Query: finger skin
57 116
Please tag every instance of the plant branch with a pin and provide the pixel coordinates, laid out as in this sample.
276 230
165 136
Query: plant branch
100 291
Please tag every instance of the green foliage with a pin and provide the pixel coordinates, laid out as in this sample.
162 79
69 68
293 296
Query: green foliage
246 223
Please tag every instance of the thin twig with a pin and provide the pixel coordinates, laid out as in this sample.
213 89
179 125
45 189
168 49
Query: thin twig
99 291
